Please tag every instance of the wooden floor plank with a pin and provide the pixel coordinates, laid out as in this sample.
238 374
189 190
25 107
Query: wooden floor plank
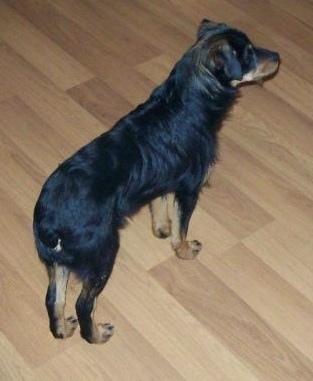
175 334
12 366
230 319
270 191
272 298
38 50
87 50
287 253
231 208
276 19
95 18
301 9
93 94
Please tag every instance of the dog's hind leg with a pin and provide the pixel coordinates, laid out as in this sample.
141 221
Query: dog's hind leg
60 326
94 282
182 210
85 308
161 224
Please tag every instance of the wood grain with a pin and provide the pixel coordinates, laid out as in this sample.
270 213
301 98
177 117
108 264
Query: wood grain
69 69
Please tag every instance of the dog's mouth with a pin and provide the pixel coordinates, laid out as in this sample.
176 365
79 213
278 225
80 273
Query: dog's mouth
266 68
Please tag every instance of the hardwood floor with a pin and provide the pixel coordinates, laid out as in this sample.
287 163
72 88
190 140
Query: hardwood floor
244 309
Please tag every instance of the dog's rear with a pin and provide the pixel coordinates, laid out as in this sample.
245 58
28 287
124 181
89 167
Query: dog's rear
167 145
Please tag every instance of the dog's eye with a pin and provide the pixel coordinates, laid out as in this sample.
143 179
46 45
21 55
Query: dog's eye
248 53
250 49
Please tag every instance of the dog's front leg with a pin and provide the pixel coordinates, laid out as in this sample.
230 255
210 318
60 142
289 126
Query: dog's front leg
161 224
182 210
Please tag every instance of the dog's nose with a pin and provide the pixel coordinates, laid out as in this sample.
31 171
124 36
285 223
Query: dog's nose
275 57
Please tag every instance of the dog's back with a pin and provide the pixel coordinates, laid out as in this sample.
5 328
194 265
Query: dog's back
157 149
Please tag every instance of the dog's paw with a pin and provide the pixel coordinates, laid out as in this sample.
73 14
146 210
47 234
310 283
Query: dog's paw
66 328
104 333
188 250
70 325
162 231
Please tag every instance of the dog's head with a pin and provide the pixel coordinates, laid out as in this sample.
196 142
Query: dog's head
230 57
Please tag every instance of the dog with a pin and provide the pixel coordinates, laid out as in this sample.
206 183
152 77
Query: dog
167 145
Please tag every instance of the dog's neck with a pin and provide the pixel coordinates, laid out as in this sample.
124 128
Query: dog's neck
191 91
190 81
199 89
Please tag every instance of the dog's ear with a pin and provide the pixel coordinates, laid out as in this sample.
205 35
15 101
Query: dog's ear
208 28
229 63
223 61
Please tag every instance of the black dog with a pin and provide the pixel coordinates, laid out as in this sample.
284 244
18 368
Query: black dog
166 145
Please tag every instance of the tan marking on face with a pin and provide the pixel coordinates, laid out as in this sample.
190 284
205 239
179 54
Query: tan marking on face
264 69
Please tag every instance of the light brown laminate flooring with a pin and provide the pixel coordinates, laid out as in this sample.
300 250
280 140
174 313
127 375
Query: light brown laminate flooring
243 310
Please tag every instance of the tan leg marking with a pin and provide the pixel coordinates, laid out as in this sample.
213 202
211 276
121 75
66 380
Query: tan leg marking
65 327
183 249
101 333
161 224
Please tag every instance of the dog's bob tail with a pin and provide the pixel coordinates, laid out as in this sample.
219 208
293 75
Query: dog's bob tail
48 244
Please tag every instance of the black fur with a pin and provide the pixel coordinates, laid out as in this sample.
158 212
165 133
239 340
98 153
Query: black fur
166 145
